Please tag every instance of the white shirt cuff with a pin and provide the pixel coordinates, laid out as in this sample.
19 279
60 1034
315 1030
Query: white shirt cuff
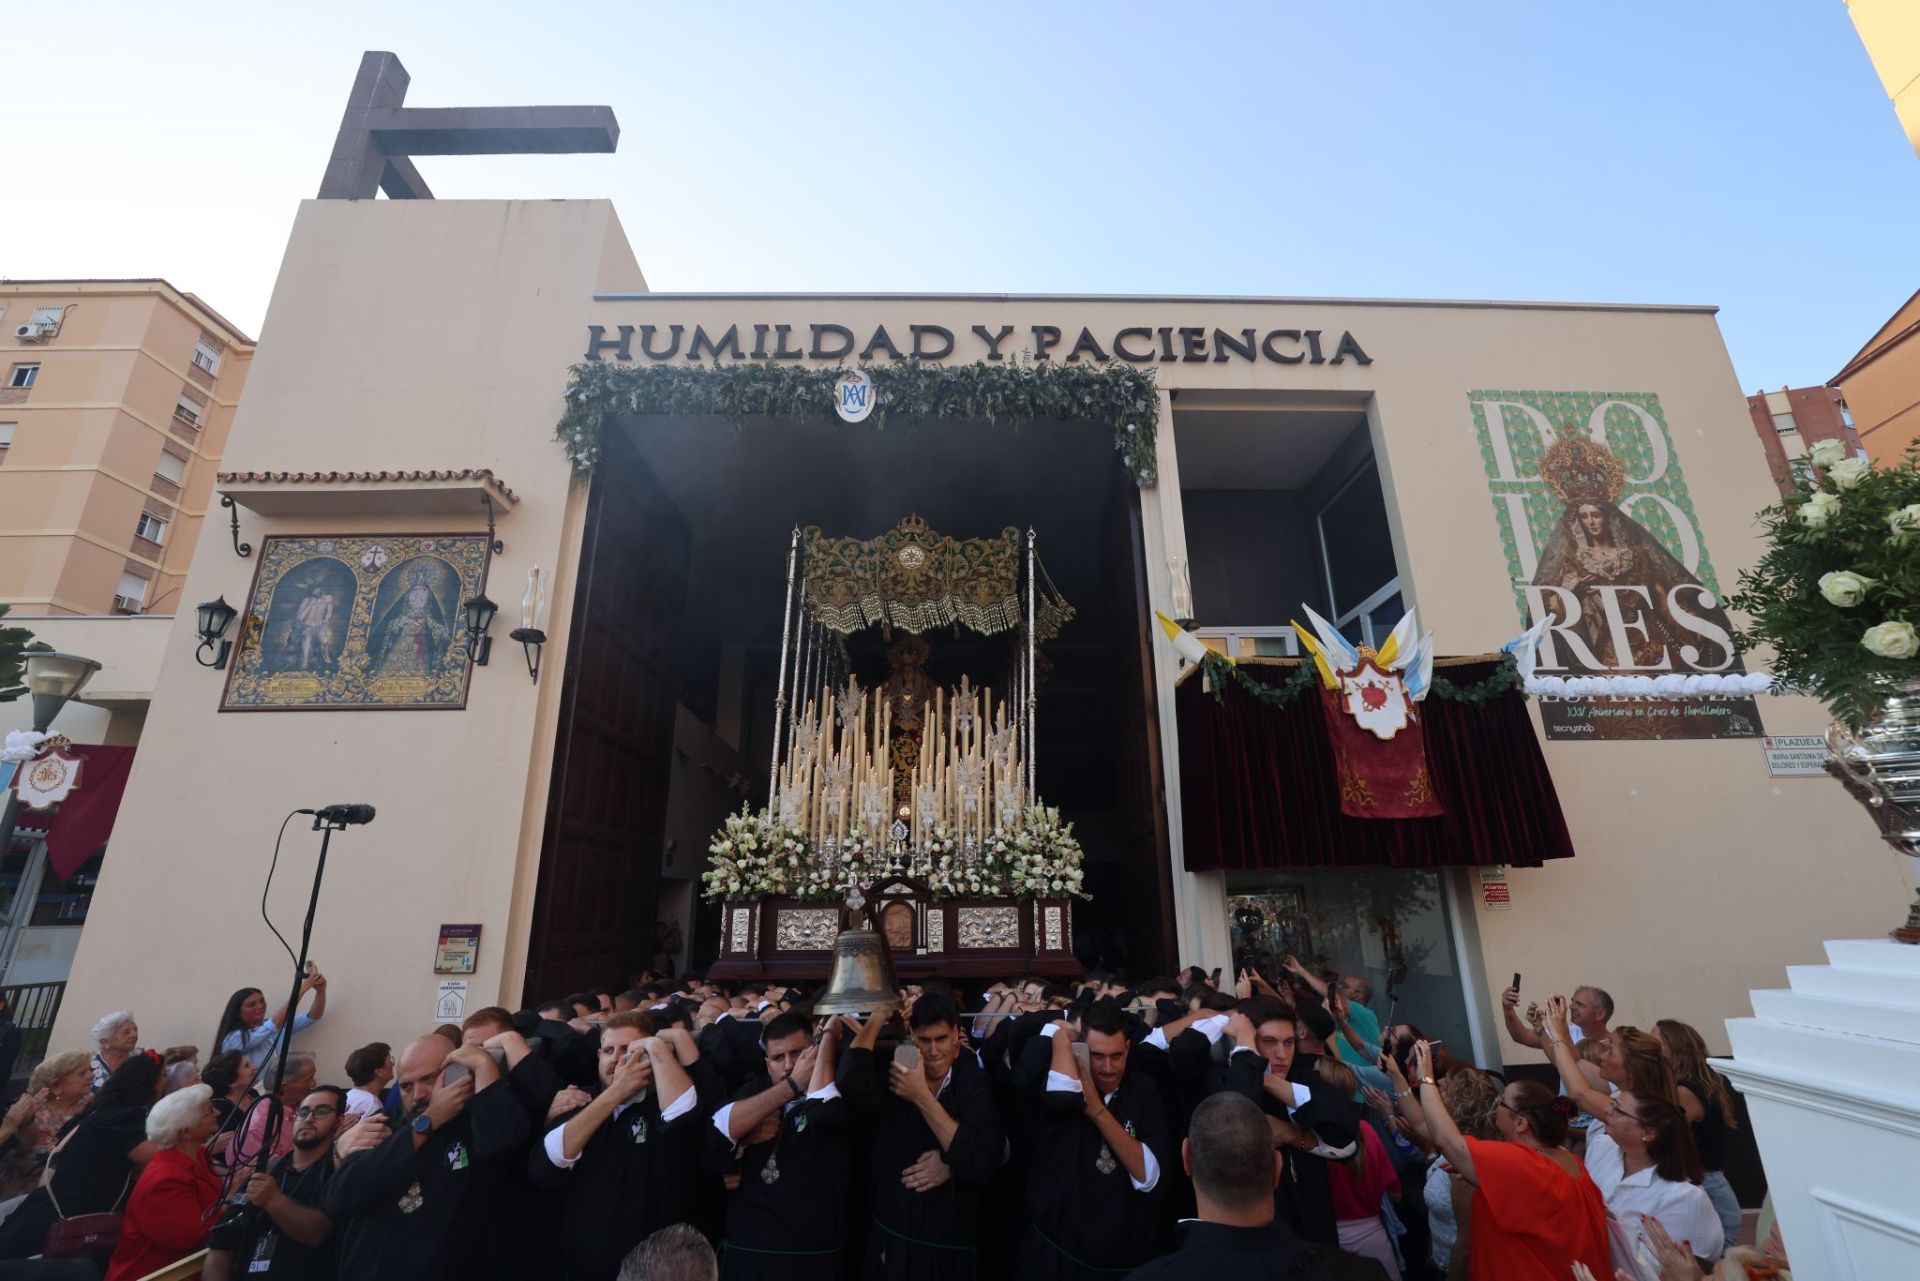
680 1106
1062 1082
1211 1027
831 1090
1157 1039
1300 1095
556 1147
1153 1172
723 1121
1050 1029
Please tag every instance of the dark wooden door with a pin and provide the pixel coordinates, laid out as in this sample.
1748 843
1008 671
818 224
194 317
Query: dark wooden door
594 909
1146 915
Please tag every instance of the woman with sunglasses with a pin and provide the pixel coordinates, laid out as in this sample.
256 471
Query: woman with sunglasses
1535 1212
1642 1154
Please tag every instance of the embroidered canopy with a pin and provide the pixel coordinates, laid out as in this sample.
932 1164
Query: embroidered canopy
914 579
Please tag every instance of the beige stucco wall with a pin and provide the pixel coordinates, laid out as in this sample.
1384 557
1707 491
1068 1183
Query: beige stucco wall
400 335
437 335
1890 29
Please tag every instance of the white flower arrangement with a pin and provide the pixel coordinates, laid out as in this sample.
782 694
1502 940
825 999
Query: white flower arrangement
755 856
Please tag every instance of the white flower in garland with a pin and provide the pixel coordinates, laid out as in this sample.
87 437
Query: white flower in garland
1849 472
1828 452
1819 510
1892 640
1905 522
1844 588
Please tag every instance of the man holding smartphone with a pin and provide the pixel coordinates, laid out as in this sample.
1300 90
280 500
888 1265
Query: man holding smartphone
937 1144
408 1198
1094 1190
624 1162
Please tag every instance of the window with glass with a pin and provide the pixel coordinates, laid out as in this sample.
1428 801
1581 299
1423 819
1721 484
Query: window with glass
151 528
23 376
6 439
1784 423
206 358
188 412
1392 926
170 468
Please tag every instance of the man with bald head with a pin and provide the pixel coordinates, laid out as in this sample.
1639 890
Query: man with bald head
411 1200
1229 1153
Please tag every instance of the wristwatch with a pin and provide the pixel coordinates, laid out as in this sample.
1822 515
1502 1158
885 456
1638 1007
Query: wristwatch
423 1125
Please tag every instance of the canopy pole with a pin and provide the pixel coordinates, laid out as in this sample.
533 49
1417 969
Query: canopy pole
802 656
780 683
1032 754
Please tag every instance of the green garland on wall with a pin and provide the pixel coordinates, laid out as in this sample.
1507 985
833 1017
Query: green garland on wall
911 392
1220 673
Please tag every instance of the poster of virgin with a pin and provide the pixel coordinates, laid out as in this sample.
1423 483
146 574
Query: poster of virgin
1602 542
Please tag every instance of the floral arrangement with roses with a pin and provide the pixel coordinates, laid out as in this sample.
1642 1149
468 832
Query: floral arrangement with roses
754 855
1837 593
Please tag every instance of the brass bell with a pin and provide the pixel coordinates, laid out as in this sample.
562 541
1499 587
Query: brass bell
862 978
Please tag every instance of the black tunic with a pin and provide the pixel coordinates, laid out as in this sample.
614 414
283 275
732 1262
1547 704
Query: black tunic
1216 1252
261 1249
635 1174
924 1236
1304 1197
1088 1219
786 1219
405 1214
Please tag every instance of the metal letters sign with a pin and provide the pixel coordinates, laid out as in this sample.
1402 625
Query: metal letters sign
853 396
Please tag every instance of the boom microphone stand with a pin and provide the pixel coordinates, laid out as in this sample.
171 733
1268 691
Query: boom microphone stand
326 821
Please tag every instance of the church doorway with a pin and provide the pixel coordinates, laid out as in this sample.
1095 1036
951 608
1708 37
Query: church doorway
668 710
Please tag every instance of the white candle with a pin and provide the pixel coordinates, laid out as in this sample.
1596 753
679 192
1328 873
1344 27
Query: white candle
530 603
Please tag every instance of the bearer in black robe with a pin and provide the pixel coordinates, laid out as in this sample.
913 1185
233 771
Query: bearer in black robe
936 1145
1311 1123
1234 1170
786 1139
627 1160
407 1203
1095 1186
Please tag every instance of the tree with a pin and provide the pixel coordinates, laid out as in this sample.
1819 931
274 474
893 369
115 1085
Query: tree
15 644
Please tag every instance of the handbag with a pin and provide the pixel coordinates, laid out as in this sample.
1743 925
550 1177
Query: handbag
84 1236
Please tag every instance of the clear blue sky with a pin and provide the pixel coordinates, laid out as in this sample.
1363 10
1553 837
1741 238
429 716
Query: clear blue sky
1735 152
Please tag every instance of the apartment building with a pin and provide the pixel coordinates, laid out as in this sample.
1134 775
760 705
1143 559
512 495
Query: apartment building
115 401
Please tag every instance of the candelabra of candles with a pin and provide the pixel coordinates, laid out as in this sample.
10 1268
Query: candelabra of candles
838 782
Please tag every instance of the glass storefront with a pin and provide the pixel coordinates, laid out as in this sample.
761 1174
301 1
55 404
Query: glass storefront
1368 921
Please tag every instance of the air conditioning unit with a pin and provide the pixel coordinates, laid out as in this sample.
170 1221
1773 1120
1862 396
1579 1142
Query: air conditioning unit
31 332
128 604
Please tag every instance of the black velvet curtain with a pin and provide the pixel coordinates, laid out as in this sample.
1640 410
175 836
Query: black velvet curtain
1257 785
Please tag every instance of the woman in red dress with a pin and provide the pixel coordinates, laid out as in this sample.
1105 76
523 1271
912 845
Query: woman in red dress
177 1198
1535 1211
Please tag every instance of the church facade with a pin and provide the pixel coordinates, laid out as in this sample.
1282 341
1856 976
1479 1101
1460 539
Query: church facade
396 455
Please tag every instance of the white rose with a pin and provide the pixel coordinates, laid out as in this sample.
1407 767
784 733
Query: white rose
1844 588
1849 472
1828 452
1818 510
1906 521
1892 640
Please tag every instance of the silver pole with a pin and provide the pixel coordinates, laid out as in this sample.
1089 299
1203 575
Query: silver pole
780 684
1032 796
798 702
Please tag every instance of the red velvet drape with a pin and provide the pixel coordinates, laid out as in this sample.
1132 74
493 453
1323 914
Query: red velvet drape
1257 785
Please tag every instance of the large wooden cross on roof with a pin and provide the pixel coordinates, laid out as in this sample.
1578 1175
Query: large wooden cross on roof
378 136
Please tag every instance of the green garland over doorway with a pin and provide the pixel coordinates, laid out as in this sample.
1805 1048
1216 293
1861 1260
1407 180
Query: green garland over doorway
1120 397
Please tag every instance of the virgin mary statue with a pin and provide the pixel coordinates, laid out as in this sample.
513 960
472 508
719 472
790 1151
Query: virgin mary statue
1595 545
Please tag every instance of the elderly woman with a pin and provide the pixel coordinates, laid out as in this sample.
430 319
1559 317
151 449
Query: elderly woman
58 1089
115 1036
177 1199
93 1162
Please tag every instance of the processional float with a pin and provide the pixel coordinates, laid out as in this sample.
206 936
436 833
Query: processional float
902 822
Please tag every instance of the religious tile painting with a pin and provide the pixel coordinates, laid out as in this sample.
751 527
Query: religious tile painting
1600 534
346 623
